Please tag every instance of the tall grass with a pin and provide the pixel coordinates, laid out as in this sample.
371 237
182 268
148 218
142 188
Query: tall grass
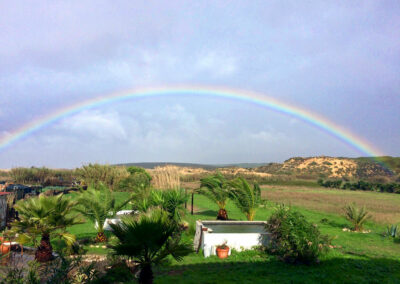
166 177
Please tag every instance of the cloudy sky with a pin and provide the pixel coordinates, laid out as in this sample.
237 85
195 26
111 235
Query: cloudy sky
339 59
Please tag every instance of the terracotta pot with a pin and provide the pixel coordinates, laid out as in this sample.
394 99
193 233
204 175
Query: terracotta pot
5 248
222 252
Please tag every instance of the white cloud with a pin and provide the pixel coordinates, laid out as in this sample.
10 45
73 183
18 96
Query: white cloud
218 64
104 125
264 136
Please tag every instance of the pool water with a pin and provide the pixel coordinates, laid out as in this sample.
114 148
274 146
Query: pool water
222 228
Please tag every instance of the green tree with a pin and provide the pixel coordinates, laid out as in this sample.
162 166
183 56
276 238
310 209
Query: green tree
148 240
97 205
215 188
246 198
138 170
47 217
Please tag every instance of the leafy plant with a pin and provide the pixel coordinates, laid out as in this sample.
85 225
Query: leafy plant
148 240
246 198
138 180
357 216
171 201
97 205
47 217
215 188
293 238
391 231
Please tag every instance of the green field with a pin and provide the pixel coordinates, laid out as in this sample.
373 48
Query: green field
356 257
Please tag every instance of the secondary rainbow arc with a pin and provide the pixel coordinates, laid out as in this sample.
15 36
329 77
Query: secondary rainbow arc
271 103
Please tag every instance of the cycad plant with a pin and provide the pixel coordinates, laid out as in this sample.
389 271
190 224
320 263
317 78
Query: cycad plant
148 240
357 216
171 201
215 188
97 205
246 198
391 231
47 217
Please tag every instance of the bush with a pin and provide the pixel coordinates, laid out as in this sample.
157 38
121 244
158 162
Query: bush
136 181
293 238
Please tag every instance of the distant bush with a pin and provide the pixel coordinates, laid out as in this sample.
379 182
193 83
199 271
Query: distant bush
43 176
361 185
293 238
138 179
330 183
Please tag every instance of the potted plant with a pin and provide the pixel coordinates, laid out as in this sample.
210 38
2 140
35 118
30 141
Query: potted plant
222 250
4 247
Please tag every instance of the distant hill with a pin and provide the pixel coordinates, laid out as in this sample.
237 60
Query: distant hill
152 165
388 168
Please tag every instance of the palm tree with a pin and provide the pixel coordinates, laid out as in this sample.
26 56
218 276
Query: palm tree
246 198
97 205
148 240
357 216
47 217
215 187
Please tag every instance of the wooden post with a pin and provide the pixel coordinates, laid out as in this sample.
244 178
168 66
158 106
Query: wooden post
192 202
186 199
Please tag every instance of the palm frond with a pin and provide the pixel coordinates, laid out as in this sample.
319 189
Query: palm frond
245 197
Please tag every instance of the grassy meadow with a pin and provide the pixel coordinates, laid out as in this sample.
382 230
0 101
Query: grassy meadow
355 257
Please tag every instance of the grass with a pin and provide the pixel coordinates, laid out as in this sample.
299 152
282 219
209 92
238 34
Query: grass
384 207
357 257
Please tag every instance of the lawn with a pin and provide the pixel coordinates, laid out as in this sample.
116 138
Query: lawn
356 257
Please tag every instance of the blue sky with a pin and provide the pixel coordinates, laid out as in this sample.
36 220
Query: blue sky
340 59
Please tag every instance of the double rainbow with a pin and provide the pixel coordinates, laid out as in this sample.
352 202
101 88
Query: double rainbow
307 116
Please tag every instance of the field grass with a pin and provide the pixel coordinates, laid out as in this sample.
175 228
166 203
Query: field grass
384 207
357 257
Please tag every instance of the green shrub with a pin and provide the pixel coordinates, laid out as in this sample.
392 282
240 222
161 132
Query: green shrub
391 231
293 238
136 181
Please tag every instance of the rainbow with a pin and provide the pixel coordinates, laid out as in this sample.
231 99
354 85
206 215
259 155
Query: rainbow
307 116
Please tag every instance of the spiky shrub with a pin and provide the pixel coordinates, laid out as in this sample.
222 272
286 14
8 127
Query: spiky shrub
246 198
293 238
47 217
215 187
148 240
391 231
97 205
357 216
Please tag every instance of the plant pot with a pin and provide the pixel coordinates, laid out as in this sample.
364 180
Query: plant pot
5 248
222 252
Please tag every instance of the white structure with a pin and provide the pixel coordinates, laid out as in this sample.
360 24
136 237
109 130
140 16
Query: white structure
238 235
116 220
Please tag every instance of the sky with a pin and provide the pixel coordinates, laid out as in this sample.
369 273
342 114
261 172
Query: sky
338 59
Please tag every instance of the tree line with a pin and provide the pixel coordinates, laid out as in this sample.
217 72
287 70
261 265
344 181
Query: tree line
361 185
